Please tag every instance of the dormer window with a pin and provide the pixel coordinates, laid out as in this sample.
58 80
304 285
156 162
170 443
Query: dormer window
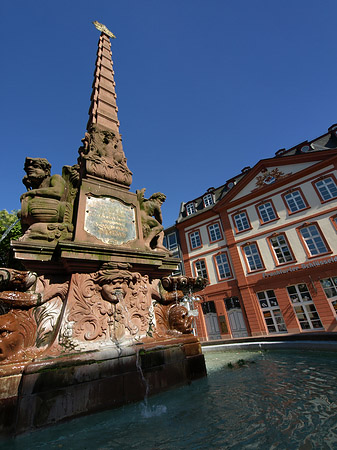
190 209
208 200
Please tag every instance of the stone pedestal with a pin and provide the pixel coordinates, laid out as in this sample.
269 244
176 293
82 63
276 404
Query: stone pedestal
89 325
46 392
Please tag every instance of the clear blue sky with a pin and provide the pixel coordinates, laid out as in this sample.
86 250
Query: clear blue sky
204 88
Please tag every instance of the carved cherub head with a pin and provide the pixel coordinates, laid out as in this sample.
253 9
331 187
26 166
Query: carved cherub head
114 284
17 332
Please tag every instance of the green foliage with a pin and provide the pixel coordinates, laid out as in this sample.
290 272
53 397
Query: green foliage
6 220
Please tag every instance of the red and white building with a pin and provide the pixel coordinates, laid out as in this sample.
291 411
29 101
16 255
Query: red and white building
267 242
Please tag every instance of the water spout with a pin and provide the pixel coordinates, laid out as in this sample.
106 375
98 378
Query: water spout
148 411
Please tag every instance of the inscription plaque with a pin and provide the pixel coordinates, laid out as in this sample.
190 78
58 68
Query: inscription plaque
110 220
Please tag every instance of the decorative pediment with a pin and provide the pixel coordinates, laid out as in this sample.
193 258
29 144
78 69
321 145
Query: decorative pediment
264 175
269 176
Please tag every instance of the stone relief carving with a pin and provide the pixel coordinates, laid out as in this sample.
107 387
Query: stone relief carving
151 215
113 306
30 313
16 280
103 156
46 207
171 317
17 334
172 320
179 319
110 305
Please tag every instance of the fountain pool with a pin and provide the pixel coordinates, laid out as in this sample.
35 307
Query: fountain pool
269 400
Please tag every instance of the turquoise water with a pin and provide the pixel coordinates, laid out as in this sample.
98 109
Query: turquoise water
271 400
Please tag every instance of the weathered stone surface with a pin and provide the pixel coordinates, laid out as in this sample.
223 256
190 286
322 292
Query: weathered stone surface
153 230
71 387
47 206
102 155
89 325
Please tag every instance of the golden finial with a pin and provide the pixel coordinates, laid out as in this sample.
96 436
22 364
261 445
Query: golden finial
103 29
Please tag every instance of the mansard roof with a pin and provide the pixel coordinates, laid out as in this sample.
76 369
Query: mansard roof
306 153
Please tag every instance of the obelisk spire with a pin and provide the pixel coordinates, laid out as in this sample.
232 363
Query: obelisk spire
102 155
103 108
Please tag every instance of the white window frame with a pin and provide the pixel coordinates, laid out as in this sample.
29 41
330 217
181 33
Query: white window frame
171 246
201 271
267 212
313 240
215 228
195 239
327 188
332 295
271 311
208 200
301 298
294 200
282 251
253 257
241 221
190 208
223 265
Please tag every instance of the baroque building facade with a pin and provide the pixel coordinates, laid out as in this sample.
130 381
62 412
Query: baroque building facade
266 242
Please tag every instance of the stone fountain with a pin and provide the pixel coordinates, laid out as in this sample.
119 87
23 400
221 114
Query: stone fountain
95 320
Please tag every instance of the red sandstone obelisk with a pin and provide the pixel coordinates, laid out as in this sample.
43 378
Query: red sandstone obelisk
103 109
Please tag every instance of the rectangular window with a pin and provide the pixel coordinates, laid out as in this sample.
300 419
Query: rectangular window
190 209
208 307
271 312
223 267
208 200
195 239
232 303
201 270
253 257
304 307
330 288
313 240
281 249
327 188
266 212
241 221
295 201
171 241
214 232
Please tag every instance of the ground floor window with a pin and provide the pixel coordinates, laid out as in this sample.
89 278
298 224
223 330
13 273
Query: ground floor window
271 312
304 307
232 303
208 307
330 288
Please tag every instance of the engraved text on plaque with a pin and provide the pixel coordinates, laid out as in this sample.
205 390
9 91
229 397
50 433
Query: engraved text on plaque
110 220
